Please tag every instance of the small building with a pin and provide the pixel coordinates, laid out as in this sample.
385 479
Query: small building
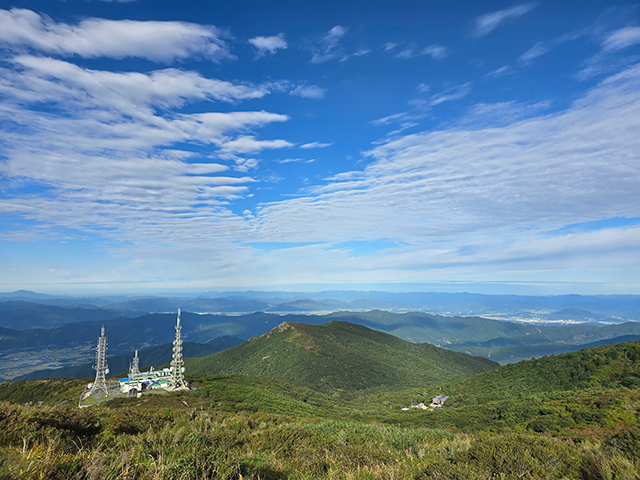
438 402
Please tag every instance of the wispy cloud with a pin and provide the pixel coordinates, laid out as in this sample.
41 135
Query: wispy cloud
422 106
499 72
437 52
168 87
622 38
114 153
95 37
482 181
308 91
315 145
534 52
457 92
249 144
328 47
611 56
488 22
295 160
269 45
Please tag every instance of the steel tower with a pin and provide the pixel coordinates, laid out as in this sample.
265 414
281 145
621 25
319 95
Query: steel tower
177 363
134 366
100 384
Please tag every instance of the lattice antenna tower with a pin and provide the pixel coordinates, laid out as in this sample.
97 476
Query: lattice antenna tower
177 363
100 384
134 366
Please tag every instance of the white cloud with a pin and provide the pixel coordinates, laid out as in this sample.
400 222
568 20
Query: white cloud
168 87
308 91
437 52
291 160
486 23
269 45
422 106
400 117
249 144
622 38
315 145
333 37
501 113
534 52
95 37
499 72
329 48
535 174
408 52
457 92
117 157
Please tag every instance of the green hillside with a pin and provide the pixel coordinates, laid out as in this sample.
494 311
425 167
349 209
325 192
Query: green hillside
340 356
234 427
592 390
608 366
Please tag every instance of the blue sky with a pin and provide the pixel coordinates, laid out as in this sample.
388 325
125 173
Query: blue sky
151 146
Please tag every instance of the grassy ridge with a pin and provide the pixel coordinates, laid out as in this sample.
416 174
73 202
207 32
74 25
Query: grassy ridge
207 434
608 366
573 416
50 392
596 389
340 356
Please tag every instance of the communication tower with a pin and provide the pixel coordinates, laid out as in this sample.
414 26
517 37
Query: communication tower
177 363
134 366
100 384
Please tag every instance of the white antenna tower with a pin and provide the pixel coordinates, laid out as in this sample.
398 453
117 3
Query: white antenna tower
100 385
134 366
177 363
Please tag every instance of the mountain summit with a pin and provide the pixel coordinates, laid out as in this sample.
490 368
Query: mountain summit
340 356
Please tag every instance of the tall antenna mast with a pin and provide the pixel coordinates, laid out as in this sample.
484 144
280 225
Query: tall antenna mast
177 363
100 385
134 365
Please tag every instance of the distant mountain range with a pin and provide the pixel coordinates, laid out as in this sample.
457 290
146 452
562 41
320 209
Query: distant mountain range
501 341
522 327
567 308
21 315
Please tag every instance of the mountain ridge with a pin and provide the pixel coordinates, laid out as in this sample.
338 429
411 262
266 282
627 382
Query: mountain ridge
338 356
